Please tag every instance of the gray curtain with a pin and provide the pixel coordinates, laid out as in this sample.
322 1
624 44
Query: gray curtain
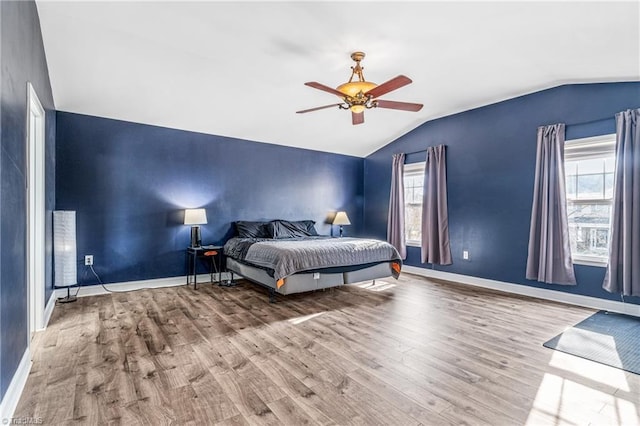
549 258
435 218
623 271
395 223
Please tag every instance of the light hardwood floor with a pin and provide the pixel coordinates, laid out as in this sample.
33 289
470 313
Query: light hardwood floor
413 351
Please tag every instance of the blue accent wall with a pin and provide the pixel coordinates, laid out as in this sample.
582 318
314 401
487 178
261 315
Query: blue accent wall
23 60
130 183
491 156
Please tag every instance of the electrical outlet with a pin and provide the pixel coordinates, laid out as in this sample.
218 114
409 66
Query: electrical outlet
465 254
88 260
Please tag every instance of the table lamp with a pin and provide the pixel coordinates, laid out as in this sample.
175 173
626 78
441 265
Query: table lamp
341 219
195 217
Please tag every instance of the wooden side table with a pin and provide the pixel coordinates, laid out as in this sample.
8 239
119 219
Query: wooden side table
193 253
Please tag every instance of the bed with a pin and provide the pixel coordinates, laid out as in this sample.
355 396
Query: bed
289 257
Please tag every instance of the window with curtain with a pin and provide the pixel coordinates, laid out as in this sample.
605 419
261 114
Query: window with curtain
589 167
413 188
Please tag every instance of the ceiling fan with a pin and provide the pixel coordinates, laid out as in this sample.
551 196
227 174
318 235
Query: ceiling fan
360 94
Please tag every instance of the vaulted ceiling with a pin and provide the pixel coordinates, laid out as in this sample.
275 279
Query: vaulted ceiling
237 68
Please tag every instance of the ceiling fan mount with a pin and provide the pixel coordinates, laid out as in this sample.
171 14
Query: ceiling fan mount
357 56
360 94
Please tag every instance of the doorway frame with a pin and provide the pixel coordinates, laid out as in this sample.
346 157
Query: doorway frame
35 211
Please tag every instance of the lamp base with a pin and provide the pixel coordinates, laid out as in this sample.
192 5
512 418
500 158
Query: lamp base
196 239
340 231
68 298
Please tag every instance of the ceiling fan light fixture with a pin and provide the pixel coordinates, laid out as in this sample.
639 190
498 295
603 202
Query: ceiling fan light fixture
353 88
360 94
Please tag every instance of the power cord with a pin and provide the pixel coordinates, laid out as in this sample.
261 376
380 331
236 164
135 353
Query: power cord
109 290
75 295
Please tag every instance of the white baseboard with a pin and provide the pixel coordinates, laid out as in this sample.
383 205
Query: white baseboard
48 310
14 391
95 290
541 293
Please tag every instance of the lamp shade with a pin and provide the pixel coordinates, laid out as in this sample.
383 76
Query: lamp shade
64 248
195 217
341 219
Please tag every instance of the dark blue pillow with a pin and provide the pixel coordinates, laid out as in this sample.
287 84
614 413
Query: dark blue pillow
288 229
309 226
247 229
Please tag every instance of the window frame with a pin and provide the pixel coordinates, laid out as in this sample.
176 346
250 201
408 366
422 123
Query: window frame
585 149
409 170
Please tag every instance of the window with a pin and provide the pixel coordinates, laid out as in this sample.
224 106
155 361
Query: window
589 166
413 187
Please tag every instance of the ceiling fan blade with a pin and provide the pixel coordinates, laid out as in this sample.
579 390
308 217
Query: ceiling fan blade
388 86
404 106
320 86
316 108
357 118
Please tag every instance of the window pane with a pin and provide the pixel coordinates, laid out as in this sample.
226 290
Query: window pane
408 193
590 186
589 228
408 181
413 182
571 187
589 176
602 240
413 221
417 194
586 167
411 199
608 185
609 164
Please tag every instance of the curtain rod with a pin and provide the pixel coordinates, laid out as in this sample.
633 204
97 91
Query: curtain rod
422 150
613 117
566 124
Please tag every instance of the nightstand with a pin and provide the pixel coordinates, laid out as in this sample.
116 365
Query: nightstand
209 251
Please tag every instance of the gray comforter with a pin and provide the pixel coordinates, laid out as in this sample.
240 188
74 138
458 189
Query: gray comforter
289 256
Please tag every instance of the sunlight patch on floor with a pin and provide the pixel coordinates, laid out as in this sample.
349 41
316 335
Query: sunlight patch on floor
539 417
580 393
601 343
590 370
567 402
623 412
376 286
300 320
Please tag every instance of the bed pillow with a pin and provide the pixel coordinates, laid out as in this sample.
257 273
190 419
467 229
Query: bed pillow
288 229
247 229
309 226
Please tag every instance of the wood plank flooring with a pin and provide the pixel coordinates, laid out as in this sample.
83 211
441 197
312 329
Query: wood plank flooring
412 351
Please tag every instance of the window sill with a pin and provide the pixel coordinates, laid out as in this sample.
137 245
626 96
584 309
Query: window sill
591 262
413 243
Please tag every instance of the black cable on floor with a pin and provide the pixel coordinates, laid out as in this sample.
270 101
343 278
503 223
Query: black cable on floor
113 291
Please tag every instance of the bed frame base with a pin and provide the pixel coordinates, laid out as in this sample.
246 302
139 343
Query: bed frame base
272 291
304 282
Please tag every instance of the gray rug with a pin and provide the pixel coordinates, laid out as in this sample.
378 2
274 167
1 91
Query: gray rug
605 337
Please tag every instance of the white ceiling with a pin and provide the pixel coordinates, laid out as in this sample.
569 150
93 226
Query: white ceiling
237 68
